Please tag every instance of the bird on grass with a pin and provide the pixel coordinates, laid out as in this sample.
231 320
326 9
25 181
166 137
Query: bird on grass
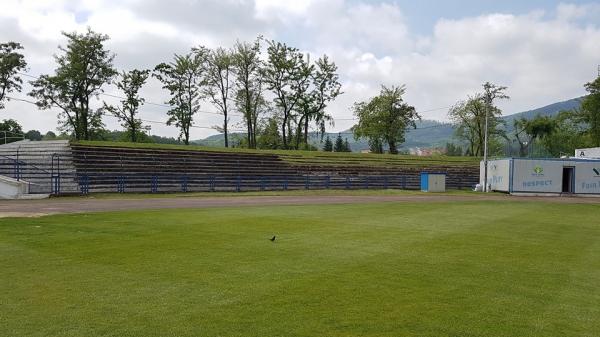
273 238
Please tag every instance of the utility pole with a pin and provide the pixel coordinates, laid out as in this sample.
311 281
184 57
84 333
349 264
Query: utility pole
485 146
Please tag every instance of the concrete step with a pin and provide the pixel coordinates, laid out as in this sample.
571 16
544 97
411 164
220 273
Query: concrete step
33 196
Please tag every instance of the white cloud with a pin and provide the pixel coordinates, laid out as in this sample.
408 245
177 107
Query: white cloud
542 56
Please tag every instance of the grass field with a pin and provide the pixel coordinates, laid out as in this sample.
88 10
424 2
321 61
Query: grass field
312 157
476 268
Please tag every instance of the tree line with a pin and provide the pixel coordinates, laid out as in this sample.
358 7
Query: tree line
551 136
282 88
281 96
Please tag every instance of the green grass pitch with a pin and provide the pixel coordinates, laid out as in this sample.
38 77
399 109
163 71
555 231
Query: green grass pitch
476 268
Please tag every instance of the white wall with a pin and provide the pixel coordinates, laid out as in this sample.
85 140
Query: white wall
498 174
543 176
588 153
587 177
11 188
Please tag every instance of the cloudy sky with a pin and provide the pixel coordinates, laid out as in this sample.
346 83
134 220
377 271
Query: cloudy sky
442 50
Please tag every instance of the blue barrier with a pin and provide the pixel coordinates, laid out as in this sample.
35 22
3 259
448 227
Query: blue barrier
121 184
235 183
184 184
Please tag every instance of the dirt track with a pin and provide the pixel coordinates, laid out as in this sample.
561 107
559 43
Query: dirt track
9 208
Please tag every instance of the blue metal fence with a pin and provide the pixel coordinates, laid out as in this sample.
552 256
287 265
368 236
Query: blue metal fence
240 183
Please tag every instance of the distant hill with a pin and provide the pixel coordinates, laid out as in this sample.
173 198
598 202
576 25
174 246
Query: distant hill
429 133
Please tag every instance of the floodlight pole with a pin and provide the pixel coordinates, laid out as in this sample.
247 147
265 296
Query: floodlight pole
485 148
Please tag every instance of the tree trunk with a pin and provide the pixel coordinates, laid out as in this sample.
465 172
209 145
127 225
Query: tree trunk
393 148
283 132
306 130
225 130
249 132
133 132
254 126
299 132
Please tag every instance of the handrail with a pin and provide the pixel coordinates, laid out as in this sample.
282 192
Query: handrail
21 162
55 178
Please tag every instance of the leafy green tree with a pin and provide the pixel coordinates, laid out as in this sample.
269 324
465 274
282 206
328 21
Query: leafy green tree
33 135
219 81
10 131
49 136
184 79
269 137
376 145
568 135
385 118
468 118
347 147
339 144
130 84
590 111
248 86
324 88
328 145
287 75
453 150
11 63
84 67
527 131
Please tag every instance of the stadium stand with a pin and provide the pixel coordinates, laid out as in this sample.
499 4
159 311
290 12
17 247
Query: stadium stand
60 167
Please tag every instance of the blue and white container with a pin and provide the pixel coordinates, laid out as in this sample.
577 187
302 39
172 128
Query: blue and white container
433 182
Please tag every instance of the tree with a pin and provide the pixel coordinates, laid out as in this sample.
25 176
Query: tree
49 136
249 100
469 121
328 145
347 147
568 135
339 144
184 79
453 150
287 75
10 131
385 118
219 70
492 92
11 63
527 131
590 111
130 83
33 135
324 88
84 67
269 137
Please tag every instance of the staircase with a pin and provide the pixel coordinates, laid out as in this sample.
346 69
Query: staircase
46 166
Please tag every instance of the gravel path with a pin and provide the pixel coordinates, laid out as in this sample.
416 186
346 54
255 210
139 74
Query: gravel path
29 208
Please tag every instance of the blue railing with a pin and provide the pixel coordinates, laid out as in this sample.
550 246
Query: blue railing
212 183
19 169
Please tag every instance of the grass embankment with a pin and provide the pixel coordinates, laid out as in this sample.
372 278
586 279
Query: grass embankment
389 269
312 157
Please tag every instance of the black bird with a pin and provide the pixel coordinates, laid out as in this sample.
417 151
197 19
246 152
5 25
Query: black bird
273 238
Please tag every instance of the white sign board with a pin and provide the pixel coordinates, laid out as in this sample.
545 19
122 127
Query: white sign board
499 175
587 177
588 153
542 176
